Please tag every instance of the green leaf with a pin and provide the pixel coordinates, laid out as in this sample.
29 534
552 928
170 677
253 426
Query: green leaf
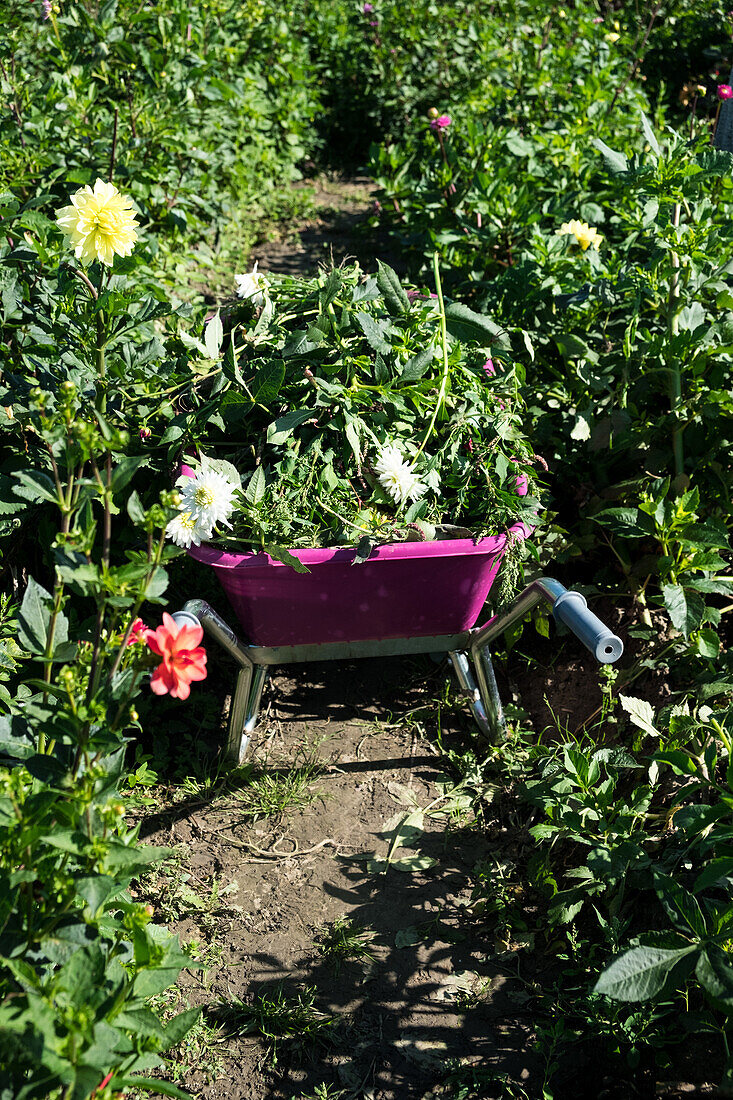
692 317
408 937
329 291
681 907
135 509
279 553
573 347
685 608
650 136
35 486
284 426
376 332
466 325
714 971
629 522
615 758
267 382
642 972
417 366
213 336
679 761
96 890
716 872
256 486
518 145
617 162
149 1084
417 862
234 406
393 292
707 643
34 621
126 470
177 1028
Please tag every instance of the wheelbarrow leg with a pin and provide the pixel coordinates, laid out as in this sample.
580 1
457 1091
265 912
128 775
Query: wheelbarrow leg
483 697
250 680
237 737
489 691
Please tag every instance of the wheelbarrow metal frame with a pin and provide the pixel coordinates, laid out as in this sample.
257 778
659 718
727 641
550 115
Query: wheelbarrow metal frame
467 651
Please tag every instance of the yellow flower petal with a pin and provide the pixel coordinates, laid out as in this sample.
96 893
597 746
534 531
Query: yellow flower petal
99 224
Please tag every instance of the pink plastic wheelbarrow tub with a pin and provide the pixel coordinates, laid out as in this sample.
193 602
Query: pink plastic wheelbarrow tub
402 590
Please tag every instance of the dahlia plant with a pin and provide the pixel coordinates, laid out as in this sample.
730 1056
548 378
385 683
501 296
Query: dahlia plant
349 411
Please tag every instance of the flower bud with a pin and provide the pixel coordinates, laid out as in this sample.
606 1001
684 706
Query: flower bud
433 112
145 433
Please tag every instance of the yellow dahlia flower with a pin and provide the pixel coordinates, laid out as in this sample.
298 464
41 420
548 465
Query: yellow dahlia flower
99 223
586 235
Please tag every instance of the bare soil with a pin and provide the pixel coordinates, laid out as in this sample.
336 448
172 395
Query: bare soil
399 1017
332 234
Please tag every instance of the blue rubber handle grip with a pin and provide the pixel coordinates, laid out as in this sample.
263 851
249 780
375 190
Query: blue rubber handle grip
571 609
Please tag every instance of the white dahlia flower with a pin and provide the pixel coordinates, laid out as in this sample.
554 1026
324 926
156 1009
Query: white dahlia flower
396 476
186 528
253 286
207 496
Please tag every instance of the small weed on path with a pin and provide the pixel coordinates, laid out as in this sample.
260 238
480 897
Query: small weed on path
278 1018
344 941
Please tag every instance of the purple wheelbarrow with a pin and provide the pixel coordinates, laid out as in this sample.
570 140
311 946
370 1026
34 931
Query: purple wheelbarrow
413 597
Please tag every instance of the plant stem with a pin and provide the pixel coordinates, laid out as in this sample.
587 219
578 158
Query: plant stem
113 153
676 374
444 347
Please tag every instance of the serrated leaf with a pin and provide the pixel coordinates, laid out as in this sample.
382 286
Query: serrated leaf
34 621
256 486
417 366
395 297
642 972
466 325
35 486
641 713
684 607
376 332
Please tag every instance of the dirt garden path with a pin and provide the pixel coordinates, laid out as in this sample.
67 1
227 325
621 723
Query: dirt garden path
437 986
